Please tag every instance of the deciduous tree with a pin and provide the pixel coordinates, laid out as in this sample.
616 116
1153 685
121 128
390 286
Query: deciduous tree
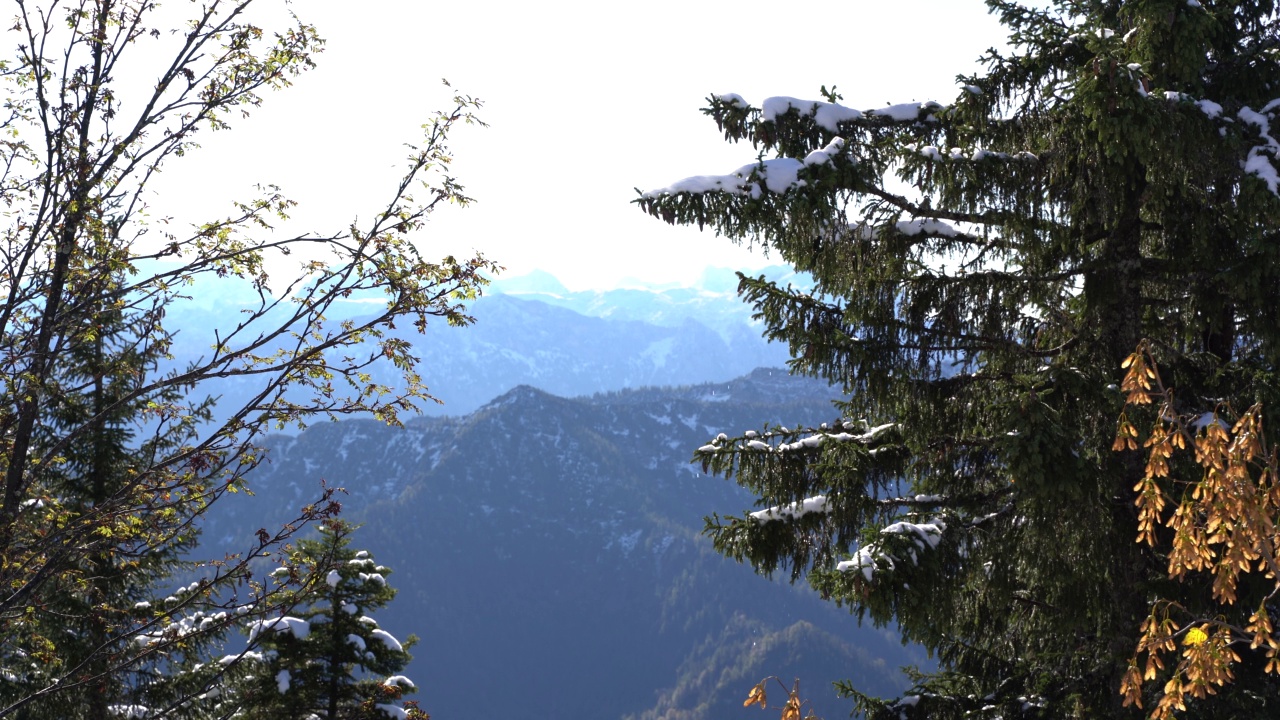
88 271
82 608
1209 491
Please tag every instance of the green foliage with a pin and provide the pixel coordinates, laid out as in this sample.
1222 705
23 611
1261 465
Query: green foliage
108 454
982 269
327 658
95 598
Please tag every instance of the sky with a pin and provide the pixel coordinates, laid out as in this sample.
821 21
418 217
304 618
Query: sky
585 102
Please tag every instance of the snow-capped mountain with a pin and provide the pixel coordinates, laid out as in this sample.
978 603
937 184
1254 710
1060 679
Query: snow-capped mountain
711 301
547 552
532 331
518 341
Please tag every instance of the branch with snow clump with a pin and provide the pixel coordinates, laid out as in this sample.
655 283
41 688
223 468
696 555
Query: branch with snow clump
829 115
782 174
778 175
820 504
867 557
793 510
297 626
387 639
816 438
180 627
1261 159
932 152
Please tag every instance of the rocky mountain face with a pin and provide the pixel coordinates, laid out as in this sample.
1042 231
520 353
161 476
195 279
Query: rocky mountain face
547 554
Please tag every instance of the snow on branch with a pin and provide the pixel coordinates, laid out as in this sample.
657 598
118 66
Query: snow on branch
793 510
177 627
926 225
297 626
757 442
828 115
778 176
386 639
865 561
932 152
1261 158
1211 109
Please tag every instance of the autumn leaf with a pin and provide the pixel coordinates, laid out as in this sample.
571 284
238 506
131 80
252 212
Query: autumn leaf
1222 525
792 709
755 696
1195 636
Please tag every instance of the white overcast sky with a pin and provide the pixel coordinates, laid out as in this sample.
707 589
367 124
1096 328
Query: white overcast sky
585 101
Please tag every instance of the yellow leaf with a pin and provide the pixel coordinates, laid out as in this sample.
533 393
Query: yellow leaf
755 696
1195 636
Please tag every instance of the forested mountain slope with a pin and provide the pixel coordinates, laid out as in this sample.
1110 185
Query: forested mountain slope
547 552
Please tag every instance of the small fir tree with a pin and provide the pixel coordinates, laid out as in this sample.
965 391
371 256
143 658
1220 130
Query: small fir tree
327 658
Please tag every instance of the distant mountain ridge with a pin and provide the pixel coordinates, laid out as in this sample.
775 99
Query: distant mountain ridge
712 300
547 551
518 341
530 330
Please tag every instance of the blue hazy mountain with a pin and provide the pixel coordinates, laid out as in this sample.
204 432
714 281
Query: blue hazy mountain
547 551
545 535
711 301
530 330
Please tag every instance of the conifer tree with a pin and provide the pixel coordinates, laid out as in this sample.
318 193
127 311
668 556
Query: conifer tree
80 629
327 658
982 269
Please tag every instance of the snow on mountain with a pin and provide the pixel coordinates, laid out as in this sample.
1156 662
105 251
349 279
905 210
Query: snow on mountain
531 330
711 301
543 537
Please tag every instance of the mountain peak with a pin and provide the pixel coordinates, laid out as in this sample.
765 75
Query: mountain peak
536 282
518 395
